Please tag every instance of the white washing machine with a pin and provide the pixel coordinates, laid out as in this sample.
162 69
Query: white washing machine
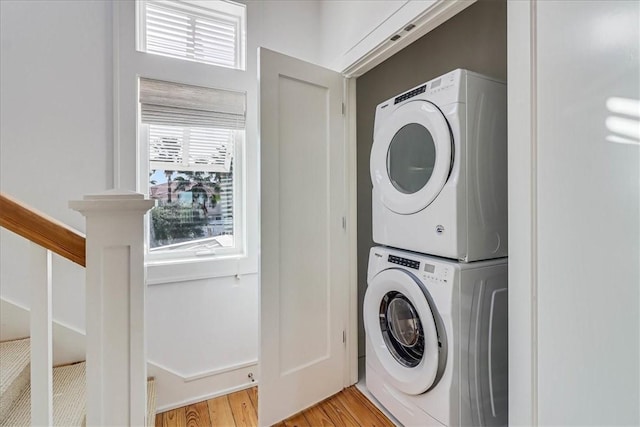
436 339
439 168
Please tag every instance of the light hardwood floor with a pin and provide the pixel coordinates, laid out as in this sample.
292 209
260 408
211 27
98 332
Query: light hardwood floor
349 408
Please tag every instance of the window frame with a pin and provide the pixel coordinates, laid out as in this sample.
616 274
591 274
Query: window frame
159 258
126 151
204 8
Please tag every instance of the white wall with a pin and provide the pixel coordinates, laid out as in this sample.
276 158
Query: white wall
55 126
575 214
57 114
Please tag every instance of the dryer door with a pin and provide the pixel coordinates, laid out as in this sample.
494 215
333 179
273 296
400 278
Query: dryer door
399 321
411 157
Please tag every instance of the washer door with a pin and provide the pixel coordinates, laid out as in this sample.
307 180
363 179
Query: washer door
400 324
411 157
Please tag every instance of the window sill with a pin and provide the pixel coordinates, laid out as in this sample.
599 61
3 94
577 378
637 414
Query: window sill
184 270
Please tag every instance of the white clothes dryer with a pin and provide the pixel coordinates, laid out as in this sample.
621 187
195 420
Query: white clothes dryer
439 168
436 339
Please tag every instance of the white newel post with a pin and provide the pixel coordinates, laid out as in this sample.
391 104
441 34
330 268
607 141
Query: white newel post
116 282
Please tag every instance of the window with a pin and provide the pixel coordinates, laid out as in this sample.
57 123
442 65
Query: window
195 138
211 31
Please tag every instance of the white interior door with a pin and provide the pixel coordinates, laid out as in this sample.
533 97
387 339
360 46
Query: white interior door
304 247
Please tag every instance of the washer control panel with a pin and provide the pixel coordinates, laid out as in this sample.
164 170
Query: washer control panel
428 269
405 262
435 273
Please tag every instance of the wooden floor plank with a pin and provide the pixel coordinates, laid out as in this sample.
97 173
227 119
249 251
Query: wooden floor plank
369 405
298 420
363 416
244 414
197 415
317 417
253 395
339 416
220 414
349 408
174 418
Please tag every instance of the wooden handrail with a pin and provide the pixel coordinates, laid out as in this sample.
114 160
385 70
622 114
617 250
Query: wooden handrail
42 229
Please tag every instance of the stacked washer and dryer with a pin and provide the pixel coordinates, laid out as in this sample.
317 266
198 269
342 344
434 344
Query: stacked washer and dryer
435 308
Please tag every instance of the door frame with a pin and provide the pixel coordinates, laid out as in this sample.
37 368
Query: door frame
523 212
522 175
424 21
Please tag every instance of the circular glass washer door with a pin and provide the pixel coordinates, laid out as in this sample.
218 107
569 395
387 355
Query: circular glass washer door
411 157
400 324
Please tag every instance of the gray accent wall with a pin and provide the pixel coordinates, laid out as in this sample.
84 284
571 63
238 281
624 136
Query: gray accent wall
475 39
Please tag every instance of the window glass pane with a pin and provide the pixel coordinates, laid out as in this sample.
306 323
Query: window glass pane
194 210
411 158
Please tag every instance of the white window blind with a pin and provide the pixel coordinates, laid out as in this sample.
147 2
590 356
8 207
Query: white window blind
191 128
190 149
209 31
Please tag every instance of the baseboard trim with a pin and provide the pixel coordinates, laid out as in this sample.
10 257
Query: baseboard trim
173 389
204 397
55 322
205 374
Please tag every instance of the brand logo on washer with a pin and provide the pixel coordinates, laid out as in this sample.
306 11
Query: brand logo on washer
439 229
377 254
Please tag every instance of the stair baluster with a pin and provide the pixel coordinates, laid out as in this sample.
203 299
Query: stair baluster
41 337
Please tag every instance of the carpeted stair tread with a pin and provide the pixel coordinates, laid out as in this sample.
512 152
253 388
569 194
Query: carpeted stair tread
69 389
69 399
14 372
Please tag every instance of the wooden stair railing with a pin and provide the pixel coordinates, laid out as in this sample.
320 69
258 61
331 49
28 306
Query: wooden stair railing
41 229
48 236
116 371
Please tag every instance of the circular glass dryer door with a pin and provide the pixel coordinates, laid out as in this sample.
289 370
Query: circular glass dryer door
411 157
399 321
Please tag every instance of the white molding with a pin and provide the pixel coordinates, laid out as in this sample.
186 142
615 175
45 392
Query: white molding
65 335
68 342
523 246
351 371
204 397
208 373
185 270
174 392
117 145
413 12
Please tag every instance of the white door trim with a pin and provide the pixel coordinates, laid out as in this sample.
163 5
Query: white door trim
351 224
523 242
